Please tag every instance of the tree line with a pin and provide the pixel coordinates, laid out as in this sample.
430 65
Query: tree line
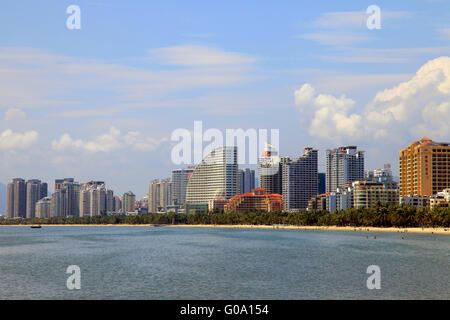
381 215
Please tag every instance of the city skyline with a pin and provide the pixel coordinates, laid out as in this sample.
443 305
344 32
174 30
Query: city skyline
101 102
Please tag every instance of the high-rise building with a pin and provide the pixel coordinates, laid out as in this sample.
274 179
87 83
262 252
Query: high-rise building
180 179
165 194
270 170
380 175
160 195
128 202
16 199
246 178
95 199
344 164
59 183
215 177
117 204
321 183
424 168
66 198
43 208
300 179
36 190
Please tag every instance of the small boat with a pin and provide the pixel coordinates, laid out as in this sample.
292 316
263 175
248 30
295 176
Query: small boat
36 227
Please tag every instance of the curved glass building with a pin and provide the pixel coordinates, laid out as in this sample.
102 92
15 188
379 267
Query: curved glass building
215 177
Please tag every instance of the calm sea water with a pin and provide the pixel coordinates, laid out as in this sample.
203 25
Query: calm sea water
213 263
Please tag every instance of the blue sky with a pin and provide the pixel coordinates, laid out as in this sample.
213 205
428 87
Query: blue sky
102 101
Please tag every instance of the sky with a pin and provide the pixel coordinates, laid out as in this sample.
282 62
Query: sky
102 101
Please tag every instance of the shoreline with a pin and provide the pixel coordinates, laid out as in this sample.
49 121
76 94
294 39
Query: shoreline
416 230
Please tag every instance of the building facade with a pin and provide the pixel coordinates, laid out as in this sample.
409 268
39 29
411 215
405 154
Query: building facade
440 199
96 199
66 198
344 164
424 168
257 200
42 208
368 193
36 190
215 177
270 173
16 199
159 195
246 178
300 179
180 179
128 202
416 201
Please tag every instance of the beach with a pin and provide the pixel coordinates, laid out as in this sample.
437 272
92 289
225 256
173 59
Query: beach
441 231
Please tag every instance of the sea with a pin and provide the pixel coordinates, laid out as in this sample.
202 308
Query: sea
119 262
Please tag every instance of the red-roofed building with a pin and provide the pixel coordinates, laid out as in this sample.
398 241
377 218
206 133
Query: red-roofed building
257 200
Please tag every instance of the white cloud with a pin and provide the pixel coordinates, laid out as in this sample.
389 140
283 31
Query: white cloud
32 78
329 116
420 104
14 114
196 55
111 141
414 108
12 140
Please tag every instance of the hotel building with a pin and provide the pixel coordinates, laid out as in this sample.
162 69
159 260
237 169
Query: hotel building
270 170
216 177
424 168
367 194
257 200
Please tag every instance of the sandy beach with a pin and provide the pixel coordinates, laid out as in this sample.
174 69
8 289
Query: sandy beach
442 231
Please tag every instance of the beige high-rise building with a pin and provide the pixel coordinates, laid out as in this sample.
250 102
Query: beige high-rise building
159 195
128 202
424 168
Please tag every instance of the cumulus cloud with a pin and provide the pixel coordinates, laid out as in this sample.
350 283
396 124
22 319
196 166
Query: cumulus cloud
14 114
418 105
110 141
12 140
329 116
414 108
